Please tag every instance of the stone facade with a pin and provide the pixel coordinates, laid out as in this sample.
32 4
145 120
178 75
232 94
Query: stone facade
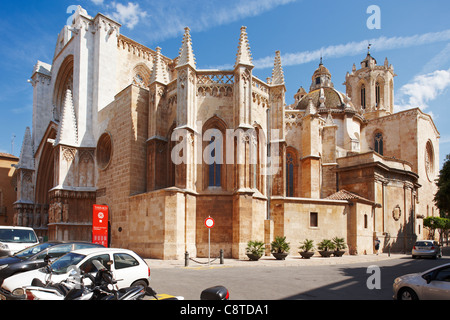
8 181
165 145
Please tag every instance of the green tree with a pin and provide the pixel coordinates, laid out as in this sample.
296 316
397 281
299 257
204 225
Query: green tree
442 196
437 223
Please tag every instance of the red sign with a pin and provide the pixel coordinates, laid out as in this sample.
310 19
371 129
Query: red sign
100 225
209 222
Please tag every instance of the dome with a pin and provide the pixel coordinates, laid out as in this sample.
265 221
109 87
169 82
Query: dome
321 70
321 78
333 99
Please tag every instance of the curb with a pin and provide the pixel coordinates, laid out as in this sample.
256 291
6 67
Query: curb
269 261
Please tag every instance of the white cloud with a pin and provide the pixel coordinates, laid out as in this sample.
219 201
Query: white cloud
168 18
422 89
128 15
354 48
97 2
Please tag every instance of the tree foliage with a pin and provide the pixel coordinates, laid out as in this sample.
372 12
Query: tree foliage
437 223
442 196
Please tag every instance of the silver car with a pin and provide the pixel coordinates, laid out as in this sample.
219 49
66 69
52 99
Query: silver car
433 284
426 248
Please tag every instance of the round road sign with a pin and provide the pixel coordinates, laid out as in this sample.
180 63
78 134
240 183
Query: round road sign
209 222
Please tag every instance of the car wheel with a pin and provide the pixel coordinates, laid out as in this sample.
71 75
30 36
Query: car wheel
139 283
407 294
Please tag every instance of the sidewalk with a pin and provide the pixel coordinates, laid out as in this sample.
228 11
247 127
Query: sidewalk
267 261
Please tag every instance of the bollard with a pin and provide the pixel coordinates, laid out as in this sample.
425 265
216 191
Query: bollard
221 256
186 259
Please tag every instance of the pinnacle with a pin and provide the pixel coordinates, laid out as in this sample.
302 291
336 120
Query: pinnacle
68 130
159 72
277 73
244 55
26 154
186 52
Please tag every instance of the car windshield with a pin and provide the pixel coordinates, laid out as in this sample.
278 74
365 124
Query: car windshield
424 244
30 251
17 236
62 264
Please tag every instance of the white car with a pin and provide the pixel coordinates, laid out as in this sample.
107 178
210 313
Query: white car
15 239
128 269
433 284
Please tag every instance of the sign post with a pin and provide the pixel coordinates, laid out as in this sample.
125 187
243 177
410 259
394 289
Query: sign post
100 225
209 223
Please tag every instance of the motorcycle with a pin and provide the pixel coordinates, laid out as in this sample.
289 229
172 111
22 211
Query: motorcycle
103 287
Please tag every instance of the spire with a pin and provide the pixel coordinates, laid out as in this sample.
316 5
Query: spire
26 160
244 55
186 52
277 73
68 131
159 71
329 121
322 99
310 109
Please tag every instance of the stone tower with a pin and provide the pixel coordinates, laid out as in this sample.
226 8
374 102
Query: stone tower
371 88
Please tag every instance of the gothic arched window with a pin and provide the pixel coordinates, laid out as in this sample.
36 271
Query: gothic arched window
429 160
215 168
377 94
289 174
378 143
214 155
363 96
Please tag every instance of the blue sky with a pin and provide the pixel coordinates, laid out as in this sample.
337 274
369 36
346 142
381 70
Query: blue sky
413 35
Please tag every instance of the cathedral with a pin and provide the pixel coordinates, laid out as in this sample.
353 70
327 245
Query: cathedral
165 145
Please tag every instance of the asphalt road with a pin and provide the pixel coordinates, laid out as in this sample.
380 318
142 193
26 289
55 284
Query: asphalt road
324 282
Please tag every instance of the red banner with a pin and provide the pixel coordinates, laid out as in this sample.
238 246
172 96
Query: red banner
100 225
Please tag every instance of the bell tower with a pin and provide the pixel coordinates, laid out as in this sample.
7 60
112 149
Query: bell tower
371 88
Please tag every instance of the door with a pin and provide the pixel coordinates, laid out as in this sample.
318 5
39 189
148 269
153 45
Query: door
439 287
127 269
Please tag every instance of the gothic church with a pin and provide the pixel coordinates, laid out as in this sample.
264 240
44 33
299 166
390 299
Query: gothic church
110 114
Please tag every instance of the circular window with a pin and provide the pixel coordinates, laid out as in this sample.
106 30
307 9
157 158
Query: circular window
429 161
104 151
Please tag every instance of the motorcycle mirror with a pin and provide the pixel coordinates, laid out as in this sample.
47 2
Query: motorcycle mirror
151 292
98 264
215 293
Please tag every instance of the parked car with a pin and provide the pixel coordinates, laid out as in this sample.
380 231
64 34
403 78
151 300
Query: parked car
426 248
35 257
127 267
14 239
433 284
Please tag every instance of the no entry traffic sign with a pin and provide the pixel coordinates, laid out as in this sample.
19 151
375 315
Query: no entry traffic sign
209 222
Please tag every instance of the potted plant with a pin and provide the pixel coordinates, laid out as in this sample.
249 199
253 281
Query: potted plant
326 248
255 250
280 248
307 247
340 245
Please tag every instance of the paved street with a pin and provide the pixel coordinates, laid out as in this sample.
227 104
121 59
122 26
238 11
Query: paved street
294 279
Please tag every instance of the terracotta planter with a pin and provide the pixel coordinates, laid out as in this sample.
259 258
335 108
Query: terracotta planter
253 257
306 254
280 256
326 253
338 253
